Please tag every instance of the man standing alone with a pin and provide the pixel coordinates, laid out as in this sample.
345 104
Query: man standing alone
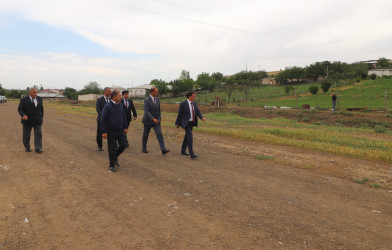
101 102
31 110
187 118
129 109
152 119
114 128
334 101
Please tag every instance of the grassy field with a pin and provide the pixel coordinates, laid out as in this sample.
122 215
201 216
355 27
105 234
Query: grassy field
354 142
369 93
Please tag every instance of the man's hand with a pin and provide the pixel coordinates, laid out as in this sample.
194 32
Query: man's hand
105 135
25 118
134 118
125 130
155 121
204 119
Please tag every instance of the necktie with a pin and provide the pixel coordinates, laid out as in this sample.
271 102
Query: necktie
154 101
33 102
193 113
107 100
126 104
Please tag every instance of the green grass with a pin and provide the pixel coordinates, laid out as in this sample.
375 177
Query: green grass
361 143
369 93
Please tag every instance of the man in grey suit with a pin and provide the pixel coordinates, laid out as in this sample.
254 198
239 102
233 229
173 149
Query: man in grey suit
152 119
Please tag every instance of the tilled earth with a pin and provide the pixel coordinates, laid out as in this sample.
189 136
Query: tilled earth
65 198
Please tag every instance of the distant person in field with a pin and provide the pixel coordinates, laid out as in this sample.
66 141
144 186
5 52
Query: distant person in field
31 110
334 101
129 109
187 118
114 128
152 119
101 102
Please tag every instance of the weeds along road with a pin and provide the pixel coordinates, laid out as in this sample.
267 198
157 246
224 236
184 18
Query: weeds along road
65 198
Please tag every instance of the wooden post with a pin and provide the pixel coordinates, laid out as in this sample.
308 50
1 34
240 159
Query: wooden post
296 97
386 101
338 100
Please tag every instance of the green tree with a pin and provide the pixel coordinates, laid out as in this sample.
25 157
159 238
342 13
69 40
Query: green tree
206 82
161 85
71 93
91 88
316 70
383 63
230 85
313 89
325 85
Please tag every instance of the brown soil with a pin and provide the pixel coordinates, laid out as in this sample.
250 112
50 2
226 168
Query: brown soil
65 198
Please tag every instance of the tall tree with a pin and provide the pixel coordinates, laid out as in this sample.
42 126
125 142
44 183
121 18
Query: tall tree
70 93
206 82
383 63
161 85
316 70
91 88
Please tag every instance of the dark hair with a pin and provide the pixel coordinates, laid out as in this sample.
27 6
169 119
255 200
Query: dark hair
152 89
190 93
114 93
125 92
106 88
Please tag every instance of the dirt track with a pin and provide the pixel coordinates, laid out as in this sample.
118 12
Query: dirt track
224 199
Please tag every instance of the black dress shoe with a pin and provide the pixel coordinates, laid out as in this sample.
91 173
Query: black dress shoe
100 149
144 151
127 145
112 168
184 153
165 151
28 150
39 151
117 163
193 156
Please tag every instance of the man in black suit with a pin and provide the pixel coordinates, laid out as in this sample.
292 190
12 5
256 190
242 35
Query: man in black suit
187 118
31 110
114 128
152 119
101 102
129 109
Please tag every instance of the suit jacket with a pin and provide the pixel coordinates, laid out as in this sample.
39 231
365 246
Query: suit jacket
184 114
101 102
35 114
130 111
151 111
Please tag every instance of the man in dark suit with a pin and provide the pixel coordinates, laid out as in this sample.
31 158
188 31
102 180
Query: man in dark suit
129 109
152 119
31 110
187 118
114 128
101 102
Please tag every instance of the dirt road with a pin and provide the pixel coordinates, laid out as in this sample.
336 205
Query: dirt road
65 198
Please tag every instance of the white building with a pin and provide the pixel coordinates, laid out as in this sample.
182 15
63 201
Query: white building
140 91
51 94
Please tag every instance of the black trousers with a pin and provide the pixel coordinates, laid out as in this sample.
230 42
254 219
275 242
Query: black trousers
188 139
99 132
158 132
114 137
37 136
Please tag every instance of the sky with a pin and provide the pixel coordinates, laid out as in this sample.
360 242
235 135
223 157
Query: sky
69 43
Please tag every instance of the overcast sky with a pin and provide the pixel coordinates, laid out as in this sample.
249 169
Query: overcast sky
68 43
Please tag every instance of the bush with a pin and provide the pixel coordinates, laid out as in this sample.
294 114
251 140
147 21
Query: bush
288 88
373 76
380 129
313 89
325 85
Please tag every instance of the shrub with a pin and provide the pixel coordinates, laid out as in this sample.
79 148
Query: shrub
380 129
313 89
288 88
306 119
325 85
373 76
320 123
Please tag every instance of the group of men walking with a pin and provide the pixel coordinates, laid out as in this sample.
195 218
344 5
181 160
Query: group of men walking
114 118
115 112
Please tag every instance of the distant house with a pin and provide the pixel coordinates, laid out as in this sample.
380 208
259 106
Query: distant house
88 97
140 91
51 94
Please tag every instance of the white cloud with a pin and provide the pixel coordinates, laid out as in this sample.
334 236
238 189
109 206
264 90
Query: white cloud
200 36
